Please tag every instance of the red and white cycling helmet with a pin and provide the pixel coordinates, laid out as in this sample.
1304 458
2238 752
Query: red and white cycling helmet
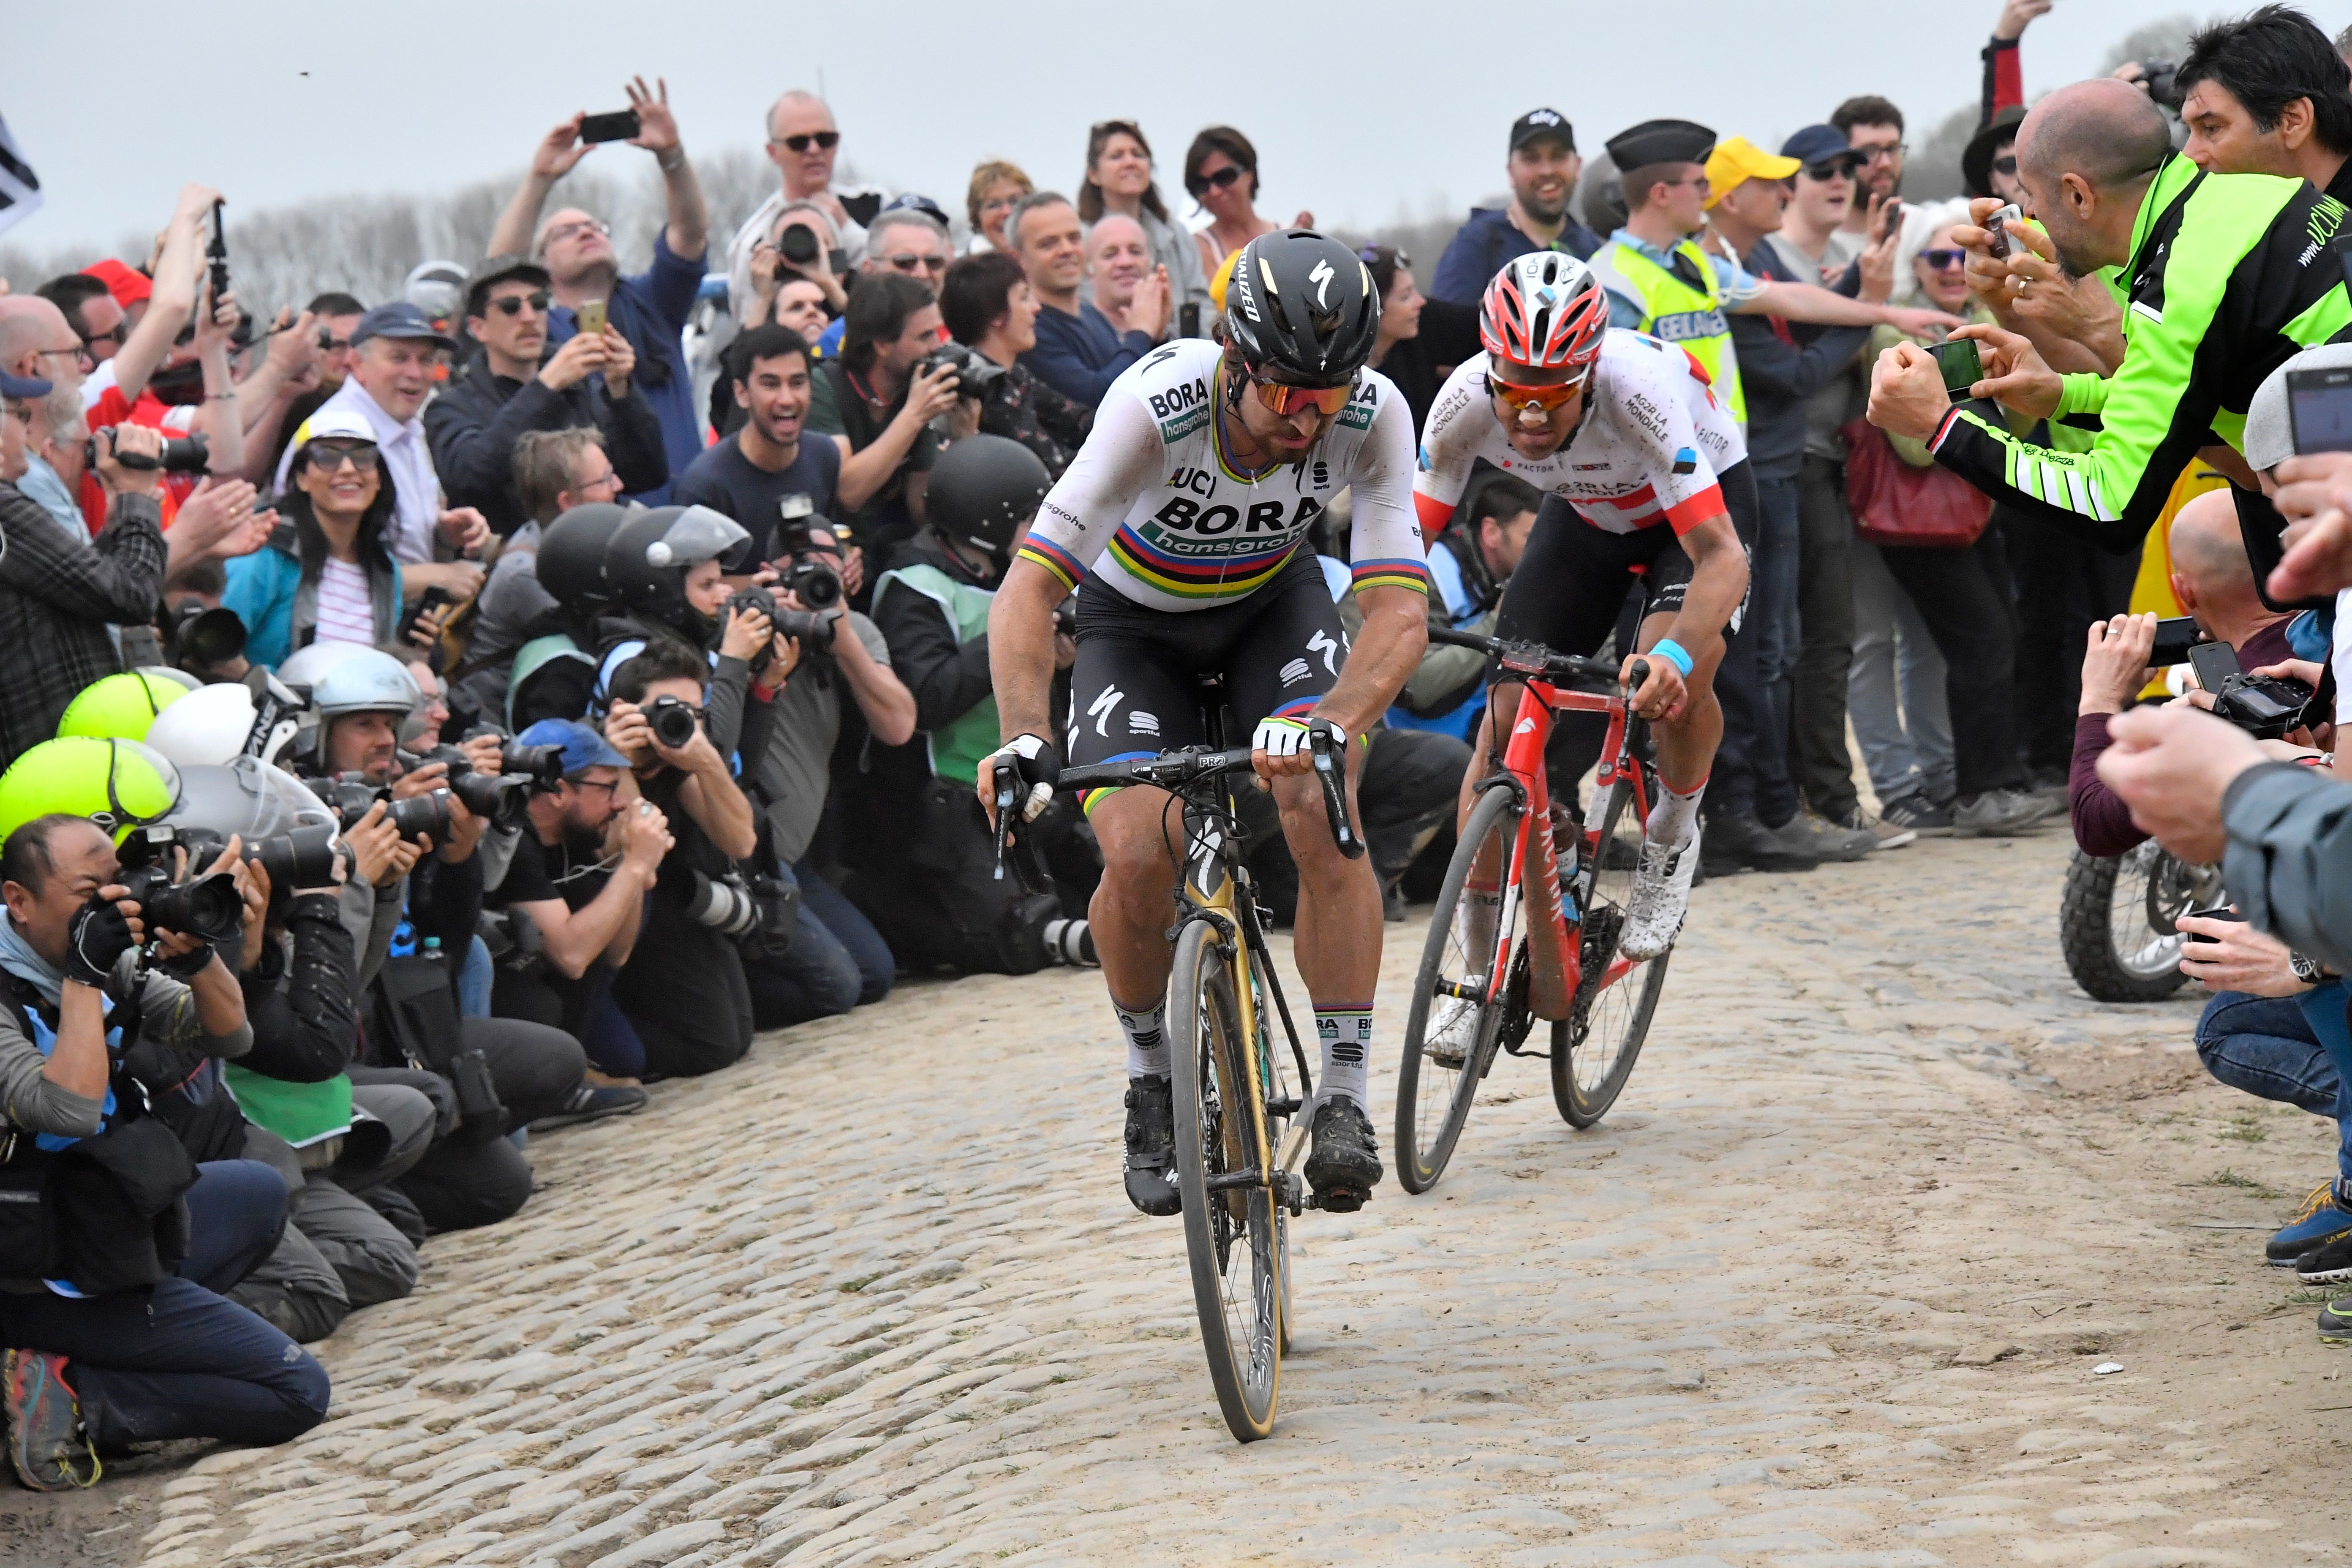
1544 309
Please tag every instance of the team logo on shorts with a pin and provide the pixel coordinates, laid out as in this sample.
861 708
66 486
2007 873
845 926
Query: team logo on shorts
1140 723
1297 671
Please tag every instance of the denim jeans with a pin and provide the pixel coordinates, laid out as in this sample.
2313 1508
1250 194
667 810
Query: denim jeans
174 1360
237 1212
474 981
2268 1046
837 961
1895 699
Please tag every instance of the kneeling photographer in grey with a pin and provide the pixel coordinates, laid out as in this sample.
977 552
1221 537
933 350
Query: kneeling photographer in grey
924 855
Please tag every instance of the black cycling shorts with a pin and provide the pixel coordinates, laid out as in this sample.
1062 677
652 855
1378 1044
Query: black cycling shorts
1135 689
1571 583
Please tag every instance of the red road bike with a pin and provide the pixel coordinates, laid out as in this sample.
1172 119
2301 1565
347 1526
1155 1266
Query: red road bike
1527 921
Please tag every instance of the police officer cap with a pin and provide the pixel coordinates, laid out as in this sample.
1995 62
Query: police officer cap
1661 142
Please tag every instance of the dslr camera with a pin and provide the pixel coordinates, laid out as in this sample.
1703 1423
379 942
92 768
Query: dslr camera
203 904
797 249
2264 706
2163 81
181 454
673 722
806 626
975 372
304 858
809 572
349 795
498 798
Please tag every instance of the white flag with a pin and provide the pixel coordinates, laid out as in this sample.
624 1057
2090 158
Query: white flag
20 188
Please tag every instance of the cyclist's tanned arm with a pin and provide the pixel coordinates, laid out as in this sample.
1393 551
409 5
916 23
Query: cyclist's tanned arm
1021 649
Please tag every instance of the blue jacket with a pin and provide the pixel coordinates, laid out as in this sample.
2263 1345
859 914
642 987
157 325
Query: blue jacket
1480 246
280 611
1783 363
1079 356
651 310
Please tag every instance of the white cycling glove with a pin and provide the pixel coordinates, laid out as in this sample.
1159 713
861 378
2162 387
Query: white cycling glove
1288 737
1037 761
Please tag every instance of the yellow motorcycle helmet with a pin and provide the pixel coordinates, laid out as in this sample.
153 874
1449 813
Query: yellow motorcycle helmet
120 707
119 784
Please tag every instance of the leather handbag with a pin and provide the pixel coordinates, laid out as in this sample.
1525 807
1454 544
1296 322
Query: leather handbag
1895 503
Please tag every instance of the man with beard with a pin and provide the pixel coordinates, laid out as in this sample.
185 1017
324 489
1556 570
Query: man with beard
1543 166
1873 129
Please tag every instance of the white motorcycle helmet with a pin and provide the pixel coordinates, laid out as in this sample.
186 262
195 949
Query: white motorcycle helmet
208 726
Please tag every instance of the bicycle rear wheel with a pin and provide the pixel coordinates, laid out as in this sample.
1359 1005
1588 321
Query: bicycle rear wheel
1594 1048
1231 1234
1450 1037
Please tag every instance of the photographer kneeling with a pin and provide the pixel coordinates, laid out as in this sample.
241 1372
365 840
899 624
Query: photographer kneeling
573 897
110 1345
925 858
683 988
415 915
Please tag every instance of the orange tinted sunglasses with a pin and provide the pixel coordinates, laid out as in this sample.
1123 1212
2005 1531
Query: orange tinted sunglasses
1285 399
1546 398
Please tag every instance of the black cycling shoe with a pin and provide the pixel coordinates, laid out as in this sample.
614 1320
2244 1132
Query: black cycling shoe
1151 1147
1345 1165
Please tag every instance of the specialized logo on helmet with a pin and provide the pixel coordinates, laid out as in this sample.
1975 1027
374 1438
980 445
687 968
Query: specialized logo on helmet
1320 275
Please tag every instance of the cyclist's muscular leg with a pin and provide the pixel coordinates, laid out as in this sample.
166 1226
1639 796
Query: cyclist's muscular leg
1338 940
1135 904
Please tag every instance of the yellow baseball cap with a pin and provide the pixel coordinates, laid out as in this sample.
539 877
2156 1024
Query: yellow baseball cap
1736 159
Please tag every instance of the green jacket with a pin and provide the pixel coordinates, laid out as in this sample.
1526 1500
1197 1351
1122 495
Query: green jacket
2229 275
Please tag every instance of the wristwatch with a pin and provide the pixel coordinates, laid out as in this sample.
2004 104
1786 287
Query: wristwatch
2306 970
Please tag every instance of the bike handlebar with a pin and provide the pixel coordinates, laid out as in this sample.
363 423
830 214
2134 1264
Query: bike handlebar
1174 770
1534 659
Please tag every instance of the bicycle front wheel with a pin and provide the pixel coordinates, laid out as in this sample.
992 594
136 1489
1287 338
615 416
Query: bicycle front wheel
1594 1048
1231 1233
1450 1031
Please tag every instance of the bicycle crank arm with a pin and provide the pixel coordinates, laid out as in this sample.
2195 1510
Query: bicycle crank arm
1230 1181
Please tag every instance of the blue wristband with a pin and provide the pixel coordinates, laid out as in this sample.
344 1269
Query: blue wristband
1672 652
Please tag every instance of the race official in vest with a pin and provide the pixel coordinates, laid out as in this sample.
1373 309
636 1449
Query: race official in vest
1661 282
926 861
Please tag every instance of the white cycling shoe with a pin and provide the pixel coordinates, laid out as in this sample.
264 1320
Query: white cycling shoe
1661 888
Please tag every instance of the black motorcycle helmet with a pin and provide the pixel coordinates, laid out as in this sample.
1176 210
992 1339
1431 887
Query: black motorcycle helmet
1301 307
983 488
571 564
650 553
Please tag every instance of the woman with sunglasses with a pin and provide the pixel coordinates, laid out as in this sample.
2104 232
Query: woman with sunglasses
1221 174
1118 180
330 576
1645 481
1183 525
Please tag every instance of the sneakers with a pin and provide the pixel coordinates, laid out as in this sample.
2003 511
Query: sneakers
47 1441
1997 812
594 1103
1918 814
1151 1146
1885 835
1730 841
2336 1324
1661 898
2330 1263
1344 1165
2049 784
2322 1217
1824 840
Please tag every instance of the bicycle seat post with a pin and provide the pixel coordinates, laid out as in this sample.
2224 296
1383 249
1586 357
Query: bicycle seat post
1212 686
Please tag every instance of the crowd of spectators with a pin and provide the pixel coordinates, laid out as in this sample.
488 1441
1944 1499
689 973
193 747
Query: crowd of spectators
439 720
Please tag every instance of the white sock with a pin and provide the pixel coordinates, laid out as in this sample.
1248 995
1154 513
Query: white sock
1346 1036
1147 1040
1675 816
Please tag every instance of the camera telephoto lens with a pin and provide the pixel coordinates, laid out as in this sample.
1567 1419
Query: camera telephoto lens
208 906
421 814
811 631
814 581
672 721
797 245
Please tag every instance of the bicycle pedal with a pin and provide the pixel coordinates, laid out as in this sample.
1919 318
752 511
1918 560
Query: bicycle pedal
1340 1200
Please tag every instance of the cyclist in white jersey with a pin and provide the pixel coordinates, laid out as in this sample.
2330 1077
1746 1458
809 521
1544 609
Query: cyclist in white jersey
1185 525
1645 479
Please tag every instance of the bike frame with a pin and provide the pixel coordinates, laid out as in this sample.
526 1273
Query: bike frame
1554 951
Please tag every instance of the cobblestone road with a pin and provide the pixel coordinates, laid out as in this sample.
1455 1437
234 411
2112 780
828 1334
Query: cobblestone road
1827 1288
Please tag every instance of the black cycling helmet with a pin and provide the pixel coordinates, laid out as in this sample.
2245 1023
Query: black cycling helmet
1301 306
983 488
571 564
647 559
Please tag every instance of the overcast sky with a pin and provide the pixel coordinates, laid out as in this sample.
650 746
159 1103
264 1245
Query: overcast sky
1359 110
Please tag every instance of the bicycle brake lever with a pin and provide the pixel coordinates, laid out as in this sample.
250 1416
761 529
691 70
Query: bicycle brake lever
1329 774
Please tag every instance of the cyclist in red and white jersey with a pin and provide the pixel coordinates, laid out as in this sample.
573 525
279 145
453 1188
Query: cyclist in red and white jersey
1644 475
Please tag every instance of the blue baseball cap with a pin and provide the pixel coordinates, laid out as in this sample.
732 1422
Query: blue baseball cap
24 387
584 748
1816 144
400 320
